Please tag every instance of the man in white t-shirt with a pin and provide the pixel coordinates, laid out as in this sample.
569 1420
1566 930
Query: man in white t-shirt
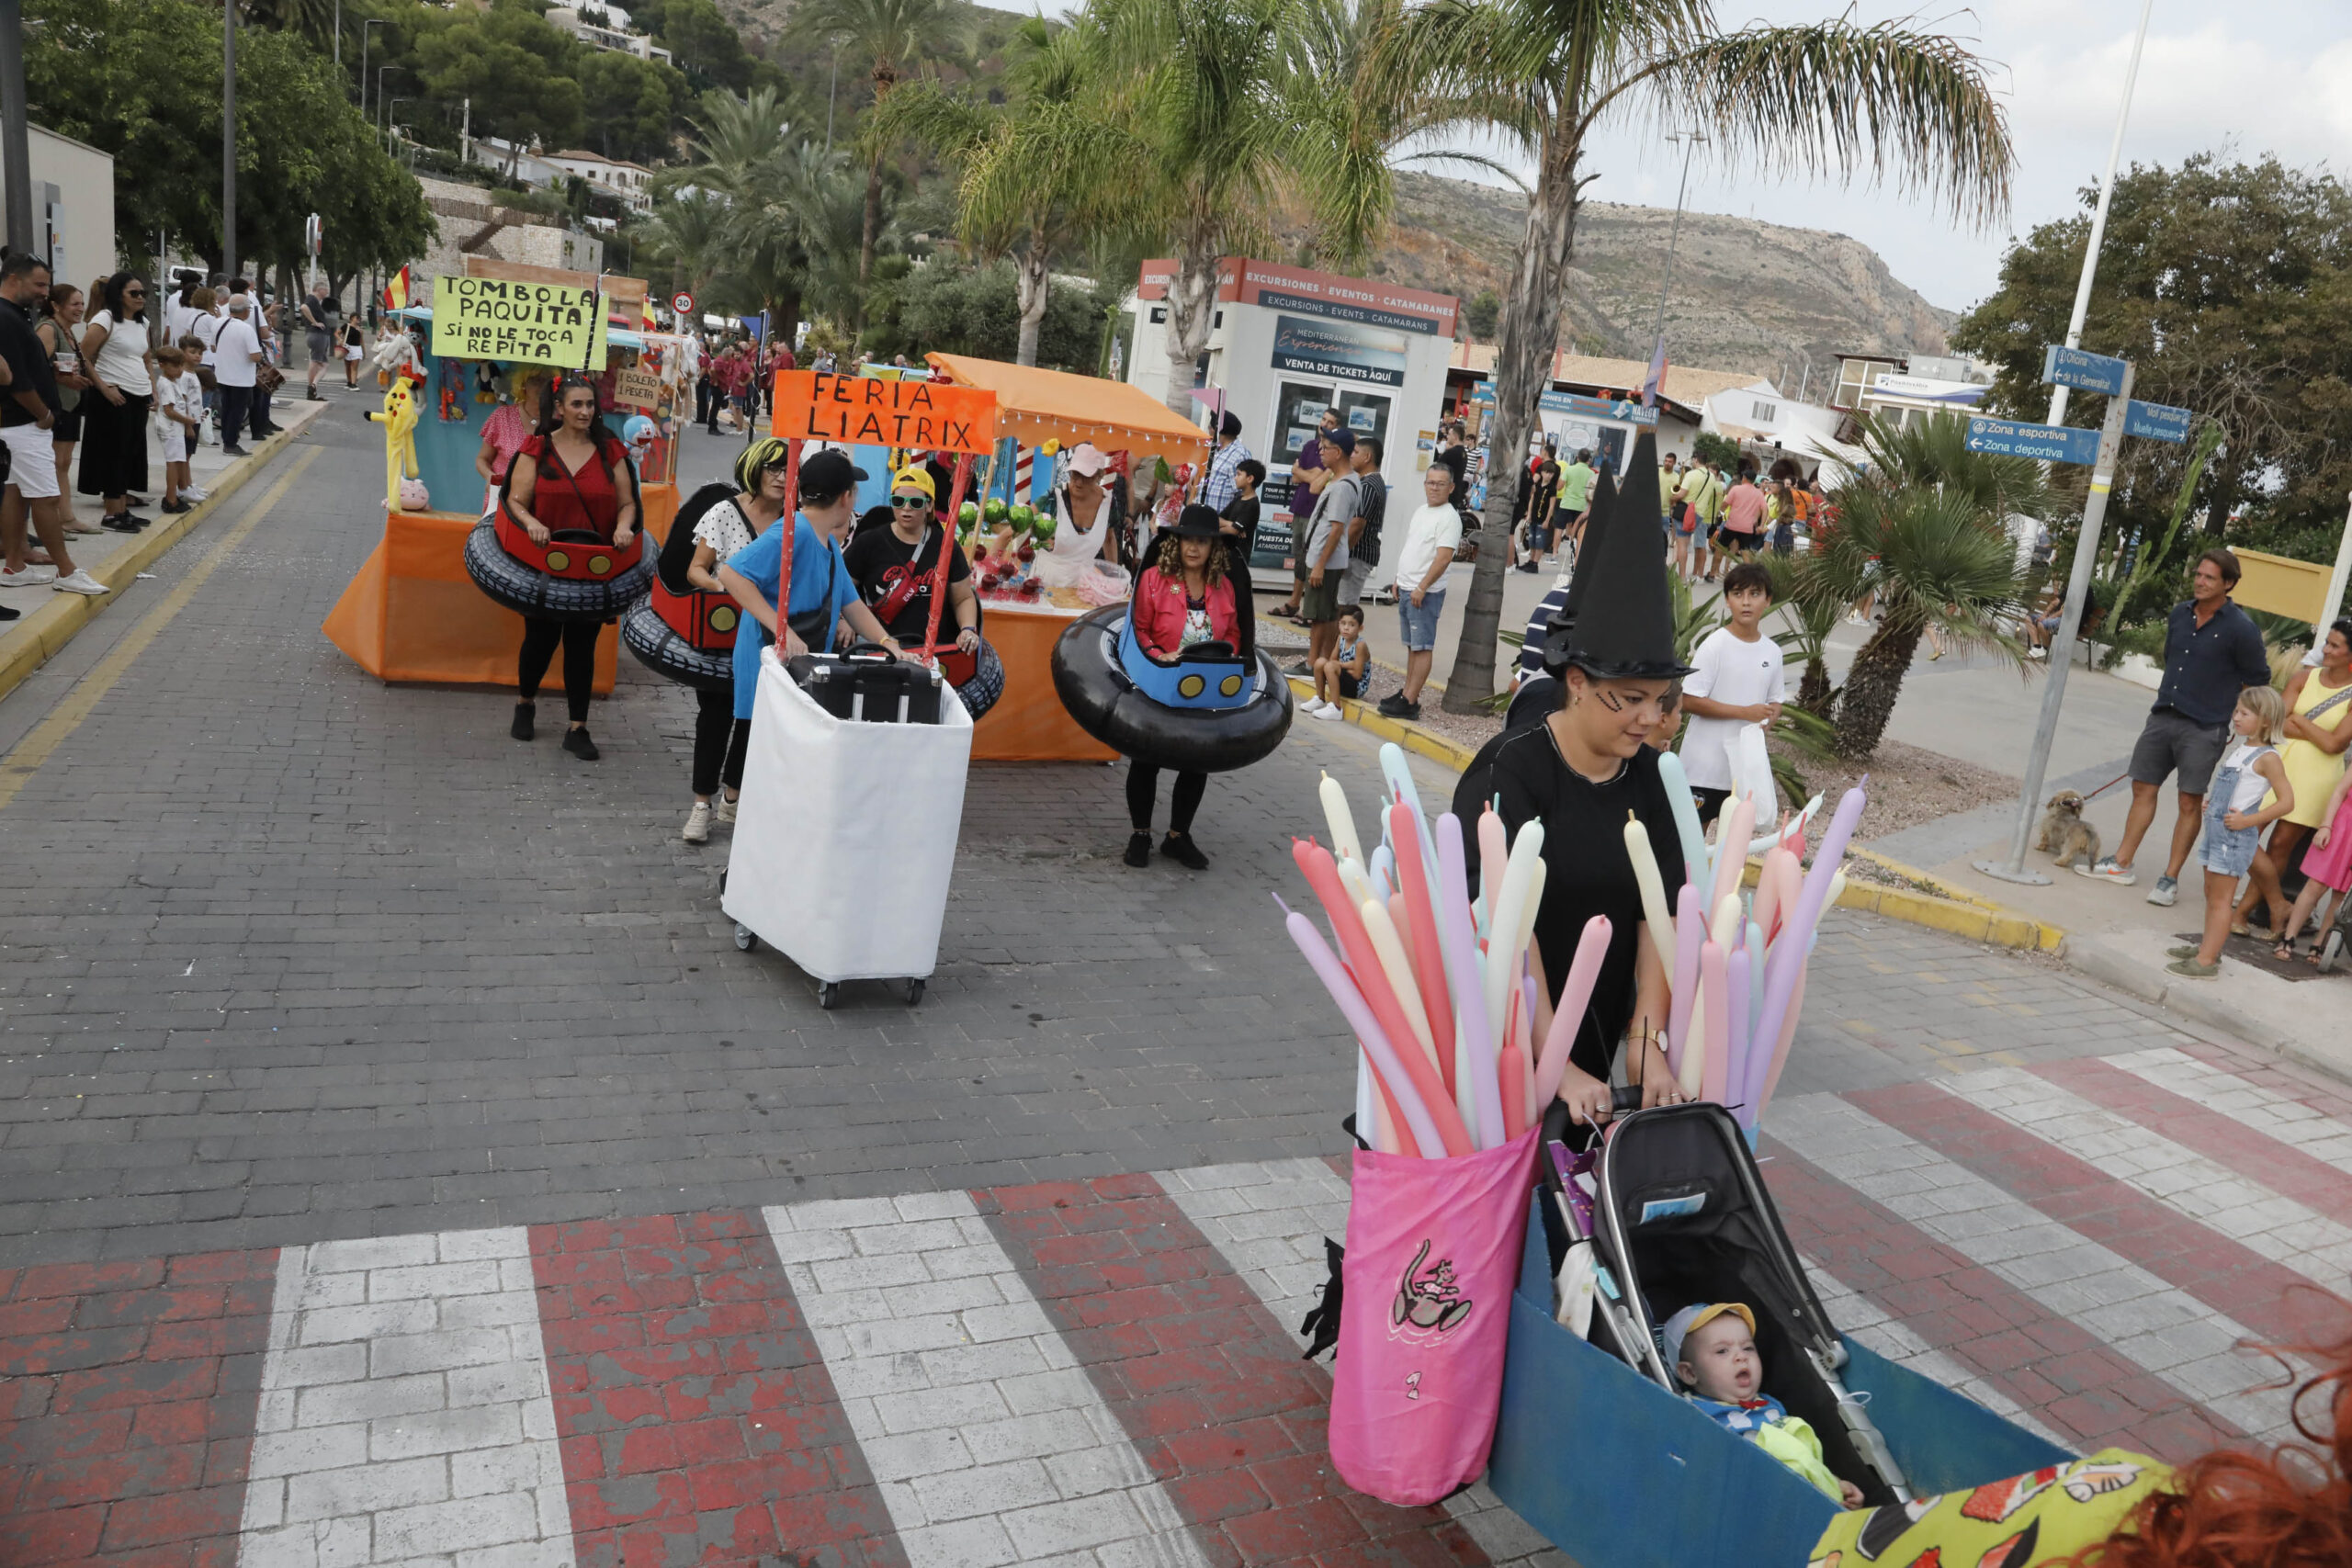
1737 681
1430 538
236 358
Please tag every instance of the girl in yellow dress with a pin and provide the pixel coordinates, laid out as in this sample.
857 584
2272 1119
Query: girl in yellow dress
2319 704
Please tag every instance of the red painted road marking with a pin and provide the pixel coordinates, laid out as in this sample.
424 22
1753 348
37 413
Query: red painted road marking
2286 1083
2260 1158
1208 1385
2087 1392
2228 1278
696 1420
129 1405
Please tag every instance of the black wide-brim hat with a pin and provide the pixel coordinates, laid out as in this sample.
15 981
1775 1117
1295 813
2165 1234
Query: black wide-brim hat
1618 623
1195 521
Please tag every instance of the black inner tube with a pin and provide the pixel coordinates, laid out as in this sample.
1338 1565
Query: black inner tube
1106 704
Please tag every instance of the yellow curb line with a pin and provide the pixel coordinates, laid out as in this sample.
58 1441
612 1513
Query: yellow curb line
43 635
1947 908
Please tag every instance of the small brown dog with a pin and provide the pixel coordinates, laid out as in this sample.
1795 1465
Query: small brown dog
2066 837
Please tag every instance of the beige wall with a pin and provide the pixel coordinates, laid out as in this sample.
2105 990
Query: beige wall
82 239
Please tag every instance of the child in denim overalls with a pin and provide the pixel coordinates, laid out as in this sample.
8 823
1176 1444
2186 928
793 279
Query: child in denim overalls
2232 825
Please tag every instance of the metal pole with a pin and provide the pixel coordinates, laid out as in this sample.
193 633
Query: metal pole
832 82
2061 647
1689 139
229 137
338 34
2098 214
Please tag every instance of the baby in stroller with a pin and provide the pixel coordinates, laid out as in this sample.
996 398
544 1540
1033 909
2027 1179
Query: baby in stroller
1712 1347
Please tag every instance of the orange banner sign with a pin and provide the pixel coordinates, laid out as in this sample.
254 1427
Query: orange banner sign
866 411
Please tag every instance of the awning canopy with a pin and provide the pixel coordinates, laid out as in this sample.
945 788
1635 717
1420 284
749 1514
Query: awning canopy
1035 406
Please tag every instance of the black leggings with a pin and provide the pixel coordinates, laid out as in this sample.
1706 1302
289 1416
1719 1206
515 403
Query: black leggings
579 639
720 740
1143 784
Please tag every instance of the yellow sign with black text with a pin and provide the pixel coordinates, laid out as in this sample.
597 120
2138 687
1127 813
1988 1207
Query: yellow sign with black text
532 323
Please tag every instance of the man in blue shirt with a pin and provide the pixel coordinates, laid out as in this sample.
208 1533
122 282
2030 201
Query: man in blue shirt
2212 652
823 594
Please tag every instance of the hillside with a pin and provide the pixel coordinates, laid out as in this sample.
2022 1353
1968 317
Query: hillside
1747 295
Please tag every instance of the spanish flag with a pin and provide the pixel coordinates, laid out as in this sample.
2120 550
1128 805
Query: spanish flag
396 292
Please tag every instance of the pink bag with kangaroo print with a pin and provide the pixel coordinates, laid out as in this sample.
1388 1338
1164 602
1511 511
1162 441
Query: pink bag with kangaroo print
1433 1251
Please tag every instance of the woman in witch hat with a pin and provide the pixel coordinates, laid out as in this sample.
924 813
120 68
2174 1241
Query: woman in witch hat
1583 771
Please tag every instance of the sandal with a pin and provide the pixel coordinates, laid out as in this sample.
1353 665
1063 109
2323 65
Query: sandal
2284 952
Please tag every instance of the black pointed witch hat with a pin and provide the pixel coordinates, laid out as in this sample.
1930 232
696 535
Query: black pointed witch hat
1602 507
1618 624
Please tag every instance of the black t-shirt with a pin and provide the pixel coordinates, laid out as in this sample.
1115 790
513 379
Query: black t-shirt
1371 504
319 315
1242 513
1588 872
879 559
29 365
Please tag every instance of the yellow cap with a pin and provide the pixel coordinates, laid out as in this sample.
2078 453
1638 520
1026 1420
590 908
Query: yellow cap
912 477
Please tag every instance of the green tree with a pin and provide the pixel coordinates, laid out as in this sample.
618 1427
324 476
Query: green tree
116 73
706 44
954 307
1927 530
518 70
787 210
2229 286
1232 120
630 104
1826 97
888 38
1041 173
1479 312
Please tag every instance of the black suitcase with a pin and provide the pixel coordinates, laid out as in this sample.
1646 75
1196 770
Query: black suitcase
869 685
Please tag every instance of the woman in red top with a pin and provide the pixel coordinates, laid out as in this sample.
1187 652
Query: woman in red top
573 475
1184 599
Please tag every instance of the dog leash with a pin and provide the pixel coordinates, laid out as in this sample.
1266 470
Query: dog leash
2108 785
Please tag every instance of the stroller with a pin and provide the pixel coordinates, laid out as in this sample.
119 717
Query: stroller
1679 1215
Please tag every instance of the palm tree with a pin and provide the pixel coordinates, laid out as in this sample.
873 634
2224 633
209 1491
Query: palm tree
781 208
1928 530
1042 176
1223 98
687 231
889 36
1827 96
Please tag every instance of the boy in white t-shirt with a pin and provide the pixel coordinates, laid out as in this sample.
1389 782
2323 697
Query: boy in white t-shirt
176 385
1738 679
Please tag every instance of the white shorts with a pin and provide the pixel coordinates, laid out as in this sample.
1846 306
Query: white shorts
32 461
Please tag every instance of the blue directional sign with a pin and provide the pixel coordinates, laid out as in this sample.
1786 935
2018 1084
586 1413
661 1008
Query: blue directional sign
1626 410
2073 368
2158 422
2049 442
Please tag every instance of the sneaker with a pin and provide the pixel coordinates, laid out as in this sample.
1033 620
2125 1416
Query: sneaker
1138 849
190 492
119 523
522 728
1302 669
2182 950
1395 707
576 741
1179 847
2108 870
697 828
315 396
1331 711
176 507
2165 892
2193 970
1312 705
27 577
232 450
80 582
6 614
723 809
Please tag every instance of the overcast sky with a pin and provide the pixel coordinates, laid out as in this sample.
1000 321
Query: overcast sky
2265 77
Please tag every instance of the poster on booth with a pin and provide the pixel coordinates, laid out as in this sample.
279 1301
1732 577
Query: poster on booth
533 323
869 410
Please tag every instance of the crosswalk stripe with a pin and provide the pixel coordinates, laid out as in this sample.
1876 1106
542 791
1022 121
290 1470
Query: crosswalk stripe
2239 1206
989 1444
405 1410
2160 1327
2248 1099
2010 1342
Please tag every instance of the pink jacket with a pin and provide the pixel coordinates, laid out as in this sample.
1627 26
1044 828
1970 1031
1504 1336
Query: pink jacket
1159 613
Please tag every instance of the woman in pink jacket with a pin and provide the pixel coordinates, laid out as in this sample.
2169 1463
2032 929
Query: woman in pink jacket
1182 599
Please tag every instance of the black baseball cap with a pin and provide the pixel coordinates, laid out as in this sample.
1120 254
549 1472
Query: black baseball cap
828 473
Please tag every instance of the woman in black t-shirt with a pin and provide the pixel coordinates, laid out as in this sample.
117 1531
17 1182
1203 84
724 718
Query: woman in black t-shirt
894 568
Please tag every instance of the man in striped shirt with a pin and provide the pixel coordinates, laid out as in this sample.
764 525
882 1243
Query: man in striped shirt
1217 486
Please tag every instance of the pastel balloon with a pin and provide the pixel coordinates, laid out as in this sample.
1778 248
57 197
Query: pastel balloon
1715 1046
1781 835
1399 970
1763 1097
1343 821
1780 976
1576 993
1731 857
1494 853
1646 877
1511 905
1766 908
1474 1041
1735 982
1514 1101
1426 943
1696 866
1690 930
1394 1075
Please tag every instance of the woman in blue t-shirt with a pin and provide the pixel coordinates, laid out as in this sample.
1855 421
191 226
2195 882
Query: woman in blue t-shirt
823 594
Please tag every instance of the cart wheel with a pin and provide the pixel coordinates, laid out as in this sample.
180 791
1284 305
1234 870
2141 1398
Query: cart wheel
745 942
2331 952
828 995
915 992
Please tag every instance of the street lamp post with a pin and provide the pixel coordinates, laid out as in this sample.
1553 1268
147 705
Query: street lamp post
16 150
364 41
390 130
229 138
379 95
2098 214
1691 141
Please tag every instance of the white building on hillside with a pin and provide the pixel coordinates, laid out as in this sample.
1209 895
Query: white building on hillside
608 28
633 183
